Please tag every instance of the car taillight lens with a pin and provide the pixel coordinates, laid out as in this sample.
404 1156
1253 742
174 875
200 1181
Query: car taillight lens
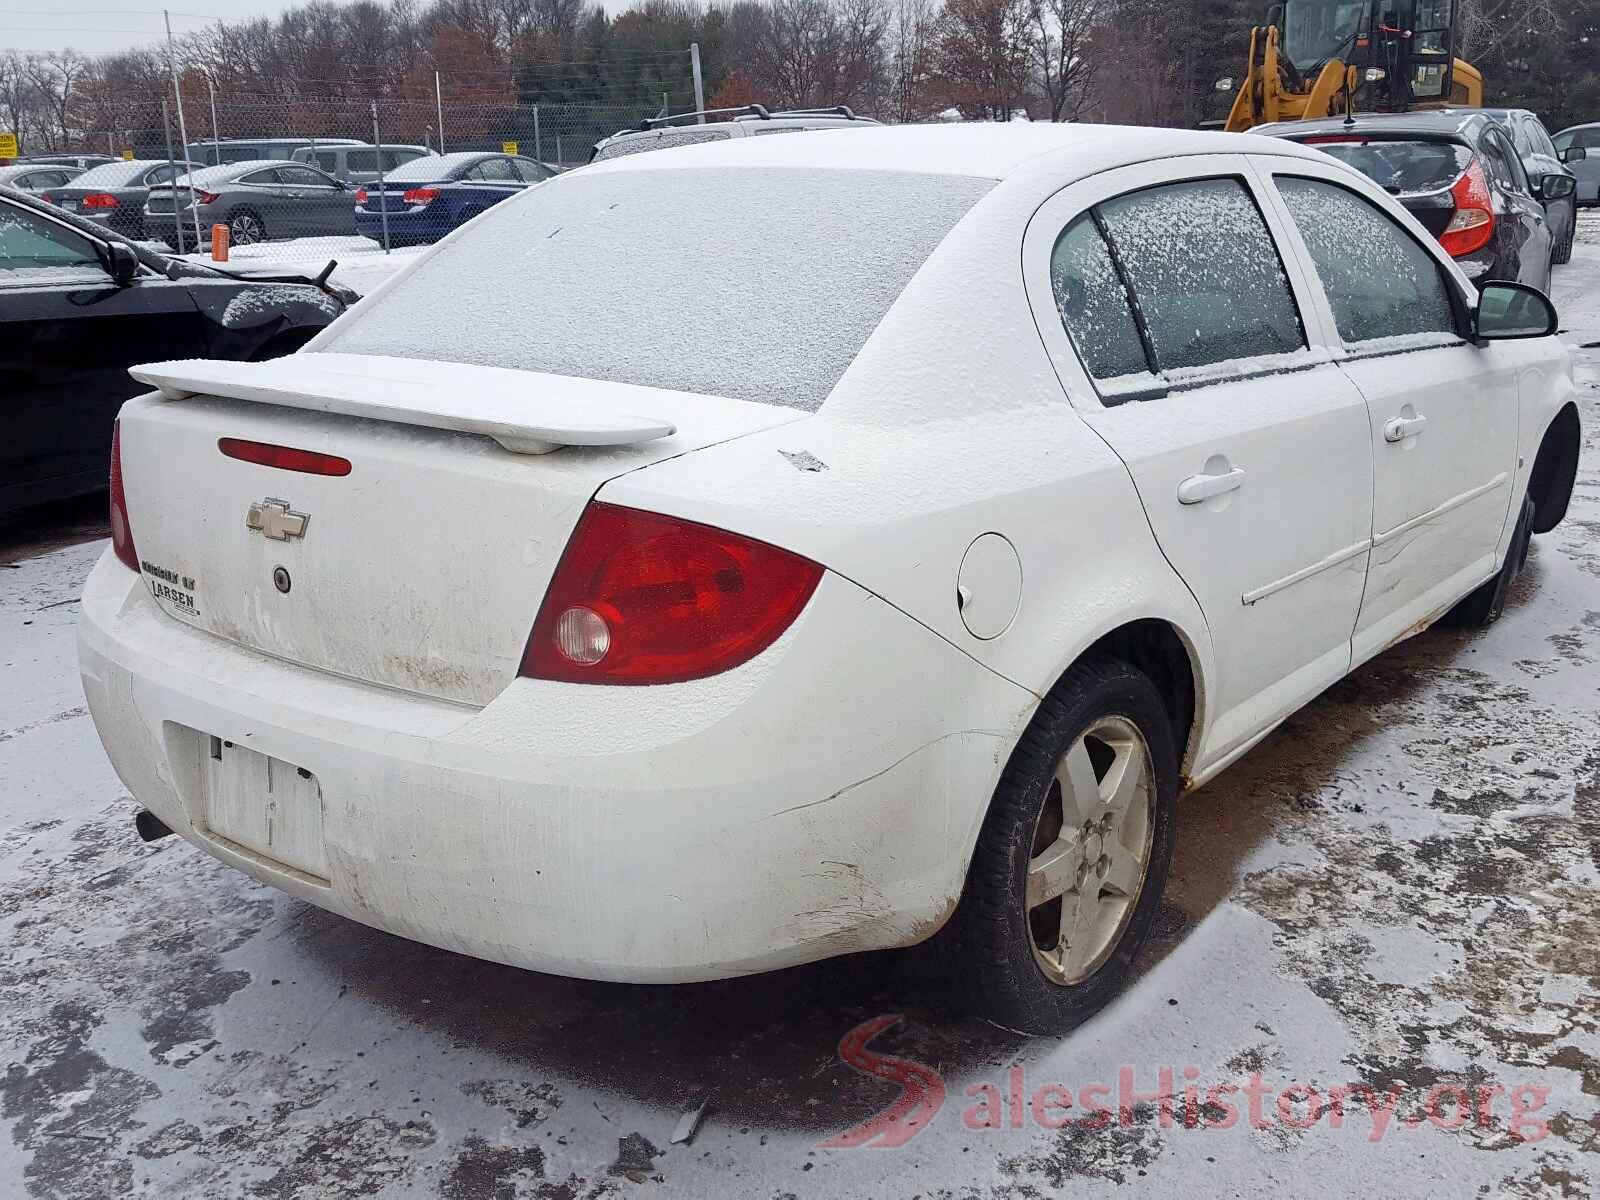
1333 140
420 195
205 197
284 458
641 598
121 531
1473 225
46 197
361 195
100 200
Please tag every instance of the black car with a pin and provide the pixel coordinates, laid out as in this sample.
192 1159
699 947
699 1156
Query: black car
1458 174
114 193
1551 180
79 305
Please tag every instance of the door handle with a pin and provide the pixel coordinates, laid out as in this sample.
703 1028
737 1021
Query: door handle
1197 488
1399 429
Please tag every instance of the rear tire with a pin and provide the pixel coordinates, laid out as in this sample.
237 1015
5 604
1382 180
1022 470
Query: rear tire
246 228
1482 607
1100 745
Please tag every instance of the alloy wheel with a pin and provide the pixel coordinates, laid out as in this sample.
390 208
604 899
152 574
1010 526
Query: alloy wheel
1091 850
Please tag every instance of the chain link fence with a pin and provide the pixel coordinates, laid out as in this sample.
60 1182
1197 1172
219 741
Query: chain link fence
277 173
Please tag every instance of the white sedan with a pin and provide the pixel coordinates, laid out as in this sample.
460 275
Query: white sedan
730 557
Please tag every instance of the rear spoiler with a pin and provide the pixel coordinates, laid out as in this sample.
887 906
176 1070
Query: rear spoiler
527 413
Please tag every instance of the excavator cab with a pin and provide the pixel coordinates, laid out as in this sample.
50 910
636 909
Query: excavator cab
1316 58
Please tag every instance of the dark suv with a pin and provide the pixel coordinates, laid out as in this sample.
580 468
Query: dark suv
1457 172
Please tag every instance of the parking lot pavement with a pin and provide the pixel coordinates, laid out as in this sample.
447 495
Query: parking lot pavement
1399 889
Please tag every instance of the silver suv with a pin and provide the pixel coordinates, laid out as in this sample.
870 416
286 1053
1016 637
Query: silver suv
752 120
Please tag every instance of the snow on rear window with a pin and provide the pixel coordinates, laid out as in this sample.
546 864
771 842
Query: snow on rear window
112 175
663 139
1405 168
757 284
432 167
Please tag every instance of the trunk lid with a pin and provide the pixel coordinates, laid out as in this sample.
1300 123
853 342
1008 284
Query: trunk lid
424 566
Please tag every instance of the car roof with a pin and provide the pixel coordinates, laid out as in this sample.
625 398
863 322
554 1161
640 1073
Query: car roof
1442 122
977 149
226 171
1580 125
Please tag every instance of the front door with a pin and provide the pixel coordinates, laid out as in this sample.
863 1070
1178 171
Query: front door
1444 411
68 334
1177 328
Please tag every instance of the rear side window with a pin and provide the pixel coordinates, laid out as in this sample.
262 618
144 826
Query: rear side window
1402 167
1204 273
1380 282
1093 303
493 170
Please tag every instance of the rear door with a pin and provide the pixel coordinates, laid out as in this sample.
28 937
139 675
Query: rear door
1443 411
68 334
1177 328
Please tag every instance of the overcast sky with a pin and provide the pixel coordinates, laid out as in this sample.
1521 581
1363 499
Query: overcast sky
96 26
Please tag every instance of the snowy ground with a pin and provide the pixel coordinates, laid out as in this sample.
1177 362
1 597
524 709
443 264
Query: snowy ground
1400 888
362 263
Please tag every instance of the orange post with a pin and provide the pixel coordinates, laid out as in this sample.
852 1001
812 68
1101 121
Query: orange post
219 243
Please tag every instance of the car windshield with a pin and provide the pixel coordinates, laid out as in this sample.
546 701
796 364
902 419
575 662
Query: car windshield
663 139
432 167
1318 30
754 284
1403 167
114 174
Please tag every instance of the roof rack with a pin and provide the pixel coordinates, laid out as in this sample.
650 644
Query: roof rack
836 110
746 111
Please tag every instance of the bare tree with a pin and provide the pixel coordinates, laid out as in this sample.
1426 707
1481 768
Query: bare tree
913 59
1066 61
54 77
1486 25
985 53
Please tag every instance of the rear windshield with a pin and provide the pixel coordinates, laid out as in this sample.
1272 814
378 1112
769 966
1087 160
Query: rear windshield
755 284
661 139
1403 167
113 175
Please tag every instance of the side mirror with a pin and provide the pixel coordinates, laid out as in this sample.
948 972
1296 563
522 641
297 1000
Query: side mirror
1574 154
1507 311
122 263
1557 187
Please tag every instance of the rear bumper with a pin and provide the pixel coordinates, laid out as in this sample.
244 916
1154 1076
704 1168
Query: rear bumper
425 225
820 800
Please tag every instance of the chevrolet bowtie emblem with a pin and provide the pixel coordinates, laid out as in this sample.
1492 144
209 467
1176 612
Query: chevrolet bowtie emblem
277 520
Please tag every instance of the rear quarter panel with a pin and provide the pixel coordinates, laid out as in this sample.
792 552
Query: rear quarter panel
951 423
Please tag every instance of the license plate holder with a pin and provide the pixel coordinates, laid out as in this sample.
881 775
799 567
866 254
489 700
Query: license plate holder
265 805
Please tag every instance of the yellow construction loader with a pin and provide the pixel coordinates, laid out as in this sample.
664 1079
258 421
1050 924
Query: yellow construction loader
1321 58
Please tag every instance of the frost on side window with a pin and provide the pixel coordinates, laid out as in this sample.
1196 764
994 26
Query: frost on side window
756 283
1093 303
1380 283
1205 272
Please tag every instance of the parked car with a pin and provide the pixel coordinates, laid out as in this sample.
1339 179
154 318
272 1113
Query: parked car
222 151
79 305
114 193
1550 180
751 120
428 197
358 164
683 577
1579 148
1458 174
258 201
32 177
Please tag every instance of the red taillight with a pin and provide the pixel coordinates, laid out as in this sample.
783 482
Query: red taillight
121 531
285 458
1473 225
1333 140
420 195
643 598
205 197
45 196
361 195
100 200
